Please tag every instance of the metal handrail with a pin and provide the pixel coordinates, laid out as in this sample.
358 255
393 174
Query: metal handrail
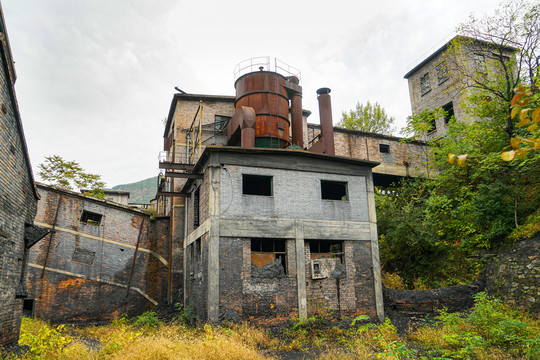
262 63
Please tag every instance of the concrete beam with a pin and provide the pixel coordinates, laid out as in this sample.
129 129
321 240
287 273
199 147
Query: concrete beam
256 227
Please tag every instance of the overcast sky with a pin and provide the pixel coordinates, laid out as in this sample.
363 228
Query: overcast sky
96 77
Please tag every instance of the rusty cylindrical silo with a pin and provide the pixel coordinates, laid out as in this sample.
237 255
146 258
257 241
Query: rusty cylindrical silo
262 91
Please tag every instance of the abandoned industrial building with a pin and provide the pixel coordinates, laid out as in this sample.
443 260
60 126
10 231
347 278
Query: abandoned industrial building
19 198
441 79
101 260
272 224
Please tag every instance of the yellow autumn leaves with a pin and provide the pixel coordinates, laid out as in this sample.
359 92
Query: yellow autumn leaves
528 116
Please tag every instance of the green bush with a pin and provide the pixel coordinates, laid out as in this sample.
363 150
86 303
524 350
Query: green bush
148 318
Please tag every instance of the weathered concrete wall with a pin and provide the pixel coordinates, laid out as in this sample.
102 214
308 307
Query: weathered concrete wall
197 277
18 201
514 275
296 195
266 296
402 159
349 290
81 272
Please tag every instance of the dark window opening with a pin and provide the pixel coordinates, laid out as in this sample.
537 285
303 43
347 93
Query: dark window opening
425 86
265 251
220 123
448 112
196 207
196 253
442 72
28 307
91 218
384 148
334 190
326 248
257 185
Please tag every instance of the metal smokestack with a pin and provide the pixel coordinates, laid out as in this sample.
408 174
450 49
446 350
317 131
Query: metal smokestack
325 113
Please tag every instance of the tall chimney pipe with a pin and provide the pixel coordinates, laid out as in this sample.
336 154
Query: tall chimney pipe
325 113
297 120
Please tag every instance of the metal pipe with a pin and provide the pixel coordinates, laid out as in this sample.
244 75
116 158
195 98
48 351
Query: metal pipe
325 113
297 120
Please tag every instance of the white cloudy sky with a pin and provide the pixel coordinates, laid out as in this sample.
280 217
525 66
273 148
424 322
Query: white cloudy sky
96 77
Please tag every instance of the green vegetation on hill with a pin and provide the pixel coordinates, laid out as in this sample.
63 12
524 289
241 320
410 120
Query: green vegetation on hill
141 191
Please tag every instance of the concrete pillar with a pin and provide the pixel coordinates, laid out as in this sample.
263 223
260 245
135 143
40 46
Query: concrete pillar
213 243
374 246
300 269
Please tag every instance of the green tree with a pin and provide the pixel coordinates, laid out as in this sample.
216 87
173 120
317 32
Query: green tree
69 175
370 118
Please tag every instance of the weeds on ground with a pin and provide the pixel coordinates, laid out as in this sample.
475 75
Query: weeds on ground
491 330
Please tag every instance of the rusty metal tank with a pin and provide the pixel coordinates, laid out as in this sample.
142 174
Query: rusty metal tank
264 92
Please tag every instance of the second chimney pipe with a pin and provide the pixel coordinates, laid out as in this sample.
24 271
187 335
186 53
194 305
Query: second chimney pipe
325 113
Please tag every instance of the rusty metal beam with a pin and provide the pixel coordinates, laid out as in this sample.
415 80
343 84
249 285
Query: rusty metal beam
175 166
53 231
170 193
134 257
182 175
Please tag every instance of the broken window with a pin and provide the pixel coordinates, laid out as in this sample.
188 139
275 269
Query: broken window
265 251
425 86
448 112
479 63
91 218
257 185
220 123
334 190
442 72
196 207
326 248
384 148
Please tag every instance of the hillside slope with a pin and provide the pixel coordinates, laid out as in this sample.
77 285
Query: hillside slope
141 191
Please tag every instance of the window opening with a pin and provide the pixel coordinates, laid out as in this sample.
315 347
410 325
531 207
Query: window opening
91 218
265 251
196 253
425 86
448 112
257 185
479 62
326 249
196 207
384 148
28 307
442 72
334 190
220 123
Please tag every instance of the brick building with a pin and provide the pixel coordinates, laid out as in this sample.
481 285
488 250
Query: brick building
18 203
276 233
442 79
101 259
269 231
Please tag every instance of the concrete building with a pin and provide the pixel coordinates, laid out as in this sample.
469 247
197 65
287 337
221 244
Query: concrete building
262 228
101 259
18 201
274 234
442 79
